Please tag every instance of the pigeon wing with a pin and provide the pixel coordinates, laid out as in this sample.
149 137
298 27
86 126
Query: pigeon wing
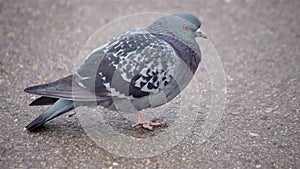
135 64
132 65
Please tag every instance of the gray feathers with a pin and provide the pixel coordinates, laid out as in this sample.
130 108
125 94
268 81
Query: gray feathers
191 18
58 108
133 65
155 63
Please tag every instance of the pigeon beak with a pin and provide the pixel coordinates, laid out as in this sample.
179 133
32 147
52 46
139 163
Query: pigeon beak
199 33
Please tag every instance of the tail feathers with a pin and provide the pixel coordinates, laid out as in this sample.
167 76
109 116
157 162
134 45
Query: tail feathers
43 101
58 108
62 88
39 89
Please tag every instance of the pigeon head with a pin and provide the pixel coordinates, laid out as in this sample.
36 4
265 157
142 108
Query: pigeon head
181 26
191 18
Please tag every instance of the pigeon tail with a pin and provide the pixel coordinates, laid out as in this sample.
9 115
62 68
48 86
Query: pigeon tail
43 101
60 107
38 89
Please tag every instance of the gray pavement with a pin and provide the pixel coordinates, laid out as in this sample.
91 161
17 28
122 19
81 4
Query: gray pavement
259 45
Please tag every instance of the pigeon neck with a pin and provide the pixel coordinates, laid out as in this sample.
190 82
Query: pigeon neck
188 55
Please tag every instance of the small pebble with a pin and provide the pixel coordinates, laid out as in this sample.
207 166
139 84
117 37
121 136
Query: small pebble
196 133
268 110
115 164
235 113
253 134
35 66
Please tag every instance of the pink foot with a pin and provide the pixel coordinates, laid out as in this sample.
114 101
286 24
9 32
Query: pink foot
145 123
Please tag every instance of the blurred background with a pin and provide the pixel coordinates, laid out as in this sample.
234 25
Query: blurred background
258 42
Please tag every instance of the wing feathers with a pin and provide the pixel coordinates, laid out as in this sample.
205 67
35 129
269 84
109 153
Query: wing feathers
68 89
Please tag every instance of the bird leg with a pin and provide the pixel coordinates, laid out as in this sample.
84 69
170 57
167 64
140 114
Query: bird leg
147 124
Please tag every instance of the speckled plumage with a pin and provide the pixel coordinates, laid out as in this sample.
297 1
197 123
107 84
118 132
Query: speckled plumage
139 64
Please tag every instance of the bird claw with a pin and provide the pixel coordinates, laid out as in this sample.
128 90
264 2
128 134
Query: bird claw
147 124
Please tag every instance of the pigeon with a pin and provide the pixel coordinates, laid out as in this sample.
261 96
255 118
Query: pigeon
146 67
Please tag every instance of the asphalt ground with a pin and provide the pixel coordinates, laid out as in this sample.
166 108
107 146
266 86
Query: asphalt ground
258 43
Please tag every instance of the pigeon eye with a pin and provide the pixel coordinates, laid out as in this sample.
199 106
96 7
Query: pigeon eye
186 27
